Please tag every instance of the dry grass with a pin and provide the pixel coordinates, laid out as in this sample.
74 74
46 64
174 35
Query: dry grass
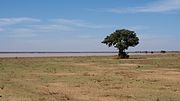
140 78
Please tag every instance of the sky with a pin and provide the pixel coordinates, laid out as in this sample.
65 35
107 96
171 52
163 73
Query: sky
81 25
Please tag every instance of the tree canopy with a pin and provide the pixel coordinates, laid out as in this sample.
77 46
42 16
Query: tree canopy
122 39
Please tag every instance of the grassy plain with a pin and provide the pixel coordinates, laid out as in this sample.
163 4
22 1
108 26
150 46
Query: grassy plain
91 78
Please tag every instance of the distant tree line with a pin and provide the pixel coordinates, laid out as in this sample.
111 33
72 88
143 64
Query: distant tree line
162 51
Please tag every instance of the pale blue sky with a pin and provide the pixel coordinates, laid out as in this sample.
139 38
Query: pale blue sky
81 25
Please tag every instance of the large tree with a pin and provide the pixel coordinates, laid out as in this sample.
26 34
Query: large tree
122 39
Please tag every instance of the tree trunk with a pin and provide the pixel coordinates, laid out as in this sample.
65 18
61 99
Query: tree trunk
122 54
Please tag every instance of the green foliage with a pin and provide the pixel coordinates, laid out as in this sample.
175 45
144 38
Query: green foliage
122 40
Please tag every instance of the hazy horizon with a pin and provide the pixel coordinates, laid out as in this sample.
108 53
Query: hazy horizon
81 25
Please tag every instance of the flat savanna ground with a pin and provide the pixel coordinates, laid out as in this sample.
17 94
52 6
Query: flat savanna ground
91 78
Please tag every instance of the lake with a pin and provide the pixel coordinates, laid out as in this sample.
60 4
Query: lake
62 54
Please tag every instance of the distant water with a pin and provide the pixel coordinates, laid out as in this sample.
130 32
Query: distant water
53 54
61 54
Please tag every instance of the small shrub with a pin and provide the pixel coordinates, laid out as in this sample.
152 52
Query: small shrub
162 51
